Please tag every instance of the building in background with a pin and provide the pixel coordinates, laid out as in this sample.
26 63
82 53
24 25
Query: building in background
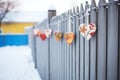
15 27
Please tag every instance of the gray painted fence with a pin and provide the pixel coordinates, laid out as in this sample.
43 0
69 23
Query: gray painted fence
96 59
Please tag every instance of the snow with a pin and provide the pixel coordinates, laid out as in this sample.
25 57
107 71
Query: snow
16 63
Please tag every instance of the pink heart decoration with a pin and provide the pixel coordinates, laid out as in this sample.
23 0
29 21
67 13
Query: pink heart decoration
88 31
36 32
48 32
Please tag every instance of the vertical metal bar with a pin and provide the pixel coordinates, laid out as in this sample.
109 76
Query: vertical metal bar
60 58
61 63
112 67
35 52
64 47
48 55
77 46
48 22
93 42
119 40
63 58
87 51
50 52
82 48
62 28
69 46
57 59
52 64
74 46
70 76
51 13
101 31
68 58
39 58
71 49
55 75
65 52
34 49
57 56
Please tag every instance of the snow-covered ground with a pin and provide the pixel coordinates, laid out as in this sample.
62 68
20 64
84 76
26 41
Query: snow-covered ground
16 64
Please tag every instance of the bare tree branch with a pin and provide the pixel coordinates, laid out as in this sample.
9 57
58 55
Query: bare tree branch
5 8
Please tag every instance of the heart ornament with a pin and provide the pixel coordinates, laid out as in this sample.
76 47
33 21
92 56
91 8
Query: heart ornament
43 36
88 31
36 32
58 35
48 32
69 37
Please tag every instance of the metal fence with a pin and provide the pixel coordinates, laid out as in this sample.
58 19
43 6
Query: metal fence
94 59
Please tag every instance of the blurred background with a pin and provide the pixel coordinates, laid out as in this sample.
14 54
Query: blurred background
29 12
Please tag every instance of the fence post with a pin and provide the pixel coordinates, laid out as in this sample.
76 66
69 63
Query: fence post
51 13
112 66
93 51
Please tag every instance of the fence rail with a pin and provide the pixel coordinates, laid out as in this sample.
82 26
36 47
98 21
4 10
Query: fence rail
94 59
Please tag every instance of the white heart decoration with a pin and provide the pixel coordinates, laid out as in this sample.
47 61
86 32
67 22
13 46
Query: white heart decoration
48 32
88 31
36 31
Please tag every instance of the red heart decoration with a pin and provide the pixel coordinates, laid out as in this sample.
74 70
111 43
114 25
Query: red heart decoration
43 36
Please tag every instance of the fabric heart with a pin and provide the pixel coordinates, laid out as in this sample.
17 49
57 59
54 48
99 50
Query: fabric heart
58 35
69 37
36 32
43 36
48 32
88 31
